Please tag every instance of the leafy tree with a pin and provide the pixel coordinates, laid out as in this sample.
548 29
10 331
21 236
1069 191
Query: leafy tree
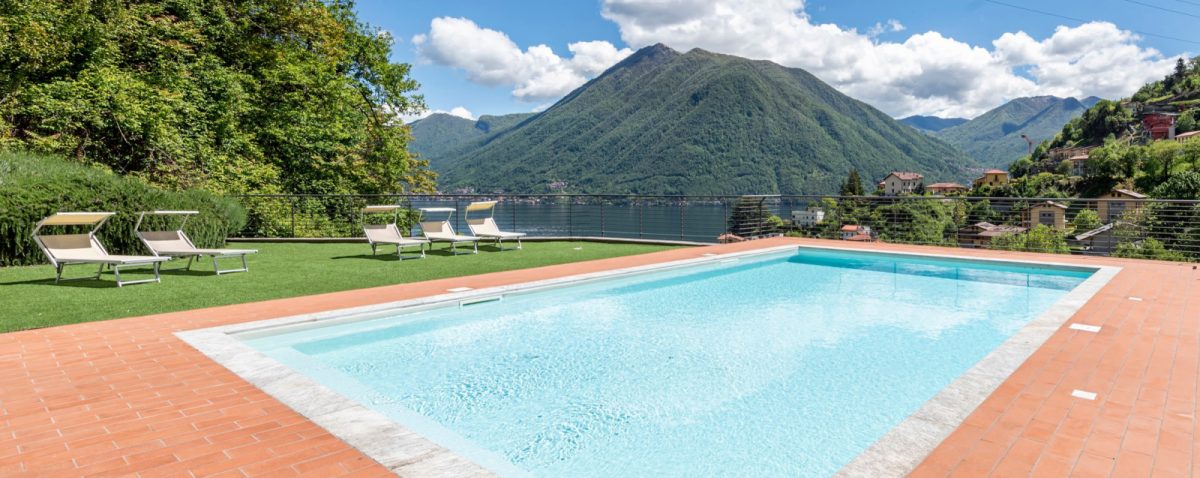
1086 220
1185 185
853 185
229 95
1040 238
1148 248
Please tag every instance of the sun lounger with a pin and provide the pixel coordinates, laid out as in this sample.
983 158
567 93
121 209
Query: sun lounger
66 249
484 224
175 243
389 234
441 231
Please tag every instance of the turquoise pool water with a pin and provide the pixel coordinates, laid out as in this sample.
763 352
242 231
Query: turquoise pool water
781 365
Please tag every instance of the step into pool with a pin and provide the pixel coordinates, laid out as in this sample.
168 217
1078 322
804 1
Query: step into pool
785 364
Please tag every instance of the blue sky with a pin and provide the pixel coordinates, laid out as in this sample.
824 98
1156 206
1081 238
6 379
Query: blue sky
446 64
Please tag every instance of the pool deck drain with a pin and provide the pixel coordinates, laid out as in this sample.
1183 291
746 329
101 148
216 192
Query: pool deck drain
126 396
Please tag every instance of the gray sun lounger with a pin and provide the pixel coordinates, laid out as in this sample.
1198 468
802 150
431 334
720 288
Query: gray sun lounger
67 249
176 243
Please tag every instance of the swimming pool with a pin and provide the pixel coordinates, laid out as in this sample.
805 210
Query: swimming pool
786 364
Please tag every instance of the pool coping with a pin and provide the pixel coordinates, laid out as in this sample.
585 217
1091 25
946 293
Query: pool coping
406 452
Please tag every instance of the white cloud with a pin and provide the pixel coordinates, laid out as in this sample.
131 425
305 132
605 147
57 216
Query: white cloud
927 73
489 57
458 111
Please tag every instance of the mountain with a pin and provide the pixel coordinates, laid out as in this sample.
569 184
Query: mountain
440 135
662 122
932 124
994 138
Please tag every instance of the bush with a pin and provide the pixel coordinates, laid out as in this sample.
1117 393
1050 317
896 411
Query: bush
34 186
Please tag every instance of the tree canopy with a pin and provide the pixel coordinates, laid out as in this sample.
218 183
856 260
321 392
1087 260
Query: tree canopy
229 95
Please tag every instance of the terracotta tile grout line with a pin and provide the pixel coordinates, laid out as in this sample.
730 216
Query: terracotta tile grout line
1170 374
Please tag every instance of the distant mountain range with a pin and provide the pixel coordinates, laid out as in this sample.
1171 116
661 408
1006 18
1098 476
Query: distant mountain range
664 122
440 135
994 138
932 124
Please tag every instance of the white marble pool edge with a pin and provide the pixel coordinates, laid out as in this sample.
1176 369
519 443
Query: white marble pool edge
407 453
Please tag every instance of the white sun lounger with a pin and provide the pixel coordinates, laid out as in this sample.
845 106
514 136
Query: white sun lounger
484 226
378 234
177 244
67 249
442 231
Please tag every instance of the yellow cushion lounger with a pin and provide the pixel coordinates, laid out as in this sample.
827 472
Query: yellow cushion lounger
442 231
484 224
66 249
389 233
177 244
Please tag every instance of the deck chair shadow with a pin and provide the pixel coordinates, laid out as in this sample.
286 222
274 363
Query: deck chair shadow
483 224
389 234
439 229
67 249
176 244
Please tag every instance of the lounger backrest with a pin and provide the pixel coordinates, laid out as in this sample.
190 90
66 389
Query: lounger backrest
382 232
484 226
74 246
436 227
173 241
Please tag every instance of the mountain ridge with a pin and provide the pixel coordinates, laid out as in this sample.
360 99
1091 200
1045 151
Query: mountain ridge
994 138
664 122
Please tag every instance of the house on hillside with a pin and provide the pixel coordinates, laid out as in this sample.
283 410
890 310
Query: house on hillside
809 217
1160 125
946 188
1079 164
991 177
854 232
1117 203
1047 213
898 183
1188 136
980 234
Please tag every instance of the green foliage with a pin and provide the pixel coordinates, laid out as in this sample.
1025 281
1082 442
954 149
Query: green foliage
1148 248
440 136
232 96
1185 185
700 123
1085 220
1041 238
853 185
1107 119
33 187
994 138
917 221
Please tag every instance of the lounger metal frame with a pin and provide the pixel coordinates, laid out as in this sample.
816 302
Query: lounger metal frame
453 243
192 257
59 265
498 241
362 222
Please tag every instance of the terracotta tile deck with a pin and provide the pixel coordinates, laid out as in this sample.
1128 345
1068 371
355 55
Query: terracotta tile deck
125 397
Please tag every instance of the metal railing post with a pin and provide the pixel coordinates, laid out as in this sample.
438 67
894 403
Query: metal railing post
292 201
601 218
682 210
570 217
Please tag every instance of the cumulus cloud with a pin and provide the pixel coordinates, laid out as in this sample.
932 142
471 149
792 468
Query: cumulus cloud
490 57
927 73
458 111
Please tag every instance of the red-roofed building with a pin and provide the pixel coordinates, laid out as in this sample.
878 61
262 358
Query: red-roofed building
1159 125
946 188
992 177
854 232
898 183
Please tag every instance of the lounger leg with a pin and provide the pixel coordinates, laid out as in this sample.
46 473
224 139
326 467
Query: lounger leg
157 278
58 273
519 246
216 267
190 259
476 246
117 274
99 271
373 249
422 251
245 265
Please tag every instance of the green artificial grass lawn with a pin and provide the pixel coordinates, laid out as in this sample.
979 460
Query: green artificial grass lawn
29 298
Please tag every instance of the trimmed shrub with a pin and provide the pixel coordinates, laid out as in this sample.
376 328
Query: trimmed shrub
35 186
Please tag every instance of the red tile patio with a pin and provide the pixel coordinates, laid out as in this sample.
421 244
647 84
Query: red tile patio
125 397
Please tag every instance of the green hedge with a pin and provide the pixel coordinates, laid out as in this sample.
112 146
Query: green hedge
35 186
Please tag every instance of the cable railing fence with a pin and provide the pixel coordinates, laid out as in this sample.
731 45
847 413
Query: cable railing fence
1117 225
